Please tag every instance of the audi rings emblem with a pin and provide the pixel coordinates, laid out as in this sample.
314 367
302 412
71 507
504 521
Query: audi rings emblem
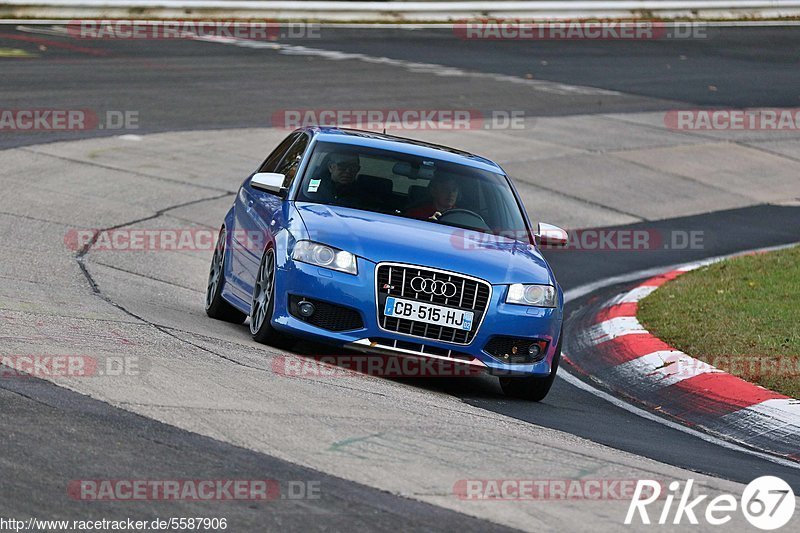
436 287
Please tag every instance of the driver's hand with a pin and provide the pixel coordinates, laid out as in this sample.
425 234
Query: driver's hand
435 216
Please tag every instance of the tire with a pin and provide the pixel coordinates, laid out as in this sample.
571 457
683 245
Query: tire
533 388
263 305
216 306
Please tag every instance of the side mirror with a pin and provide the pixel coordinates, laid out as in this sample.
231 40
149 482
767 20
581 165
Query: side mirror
270 182
550 235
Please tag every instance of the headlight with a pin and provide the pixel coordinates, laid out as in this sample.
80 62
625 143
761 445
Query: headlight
325 256
534 295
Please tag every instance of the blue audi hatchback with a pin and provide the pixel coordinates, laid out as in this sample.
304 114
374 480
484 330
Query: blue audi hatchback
391 246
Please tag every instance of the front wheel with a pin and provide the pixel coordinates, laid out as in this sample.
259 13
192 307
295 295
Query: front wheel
264 305
533 388
264 299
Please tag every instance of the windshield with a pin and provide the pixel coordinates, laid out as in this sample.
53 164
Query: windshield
394 183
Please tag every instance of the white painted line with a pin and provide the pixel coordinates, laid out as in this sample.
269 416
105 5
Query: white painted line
411 66
58 31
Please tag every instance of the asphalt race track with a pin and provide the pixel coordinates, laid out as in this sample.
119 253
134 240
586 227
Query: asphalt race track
385 454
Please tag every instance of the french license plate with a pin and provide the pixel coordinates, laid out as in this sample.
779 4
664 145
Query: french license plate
428 313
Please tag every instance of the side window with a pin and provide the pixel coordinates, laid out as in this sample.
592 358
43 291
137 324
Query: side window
277 155
291 162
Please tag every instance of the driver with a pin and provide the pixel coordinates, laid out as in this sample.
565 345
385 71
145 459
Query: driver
336 183
443 191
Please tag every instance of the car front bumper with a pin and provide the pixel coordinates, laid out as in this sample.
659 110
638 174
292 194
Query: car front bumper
358 293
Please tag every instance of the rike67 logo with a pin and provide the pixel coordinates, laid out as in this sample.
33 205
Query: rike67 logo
767 503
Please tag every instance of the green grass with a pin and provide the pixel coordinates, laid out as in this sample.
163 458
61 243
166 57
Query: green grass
741 315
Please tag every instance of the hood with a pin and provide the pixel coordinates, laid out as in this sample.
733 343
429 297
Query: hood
379 237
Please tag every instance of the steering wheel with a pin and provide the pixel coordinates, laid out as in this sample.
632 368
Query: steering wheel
463 218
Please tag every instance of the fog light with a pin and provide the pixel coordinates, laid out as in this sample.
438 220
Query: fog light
534 350
306 309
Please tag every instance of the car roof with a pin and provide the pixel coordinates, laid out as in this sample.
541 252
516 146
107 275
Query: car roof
403 145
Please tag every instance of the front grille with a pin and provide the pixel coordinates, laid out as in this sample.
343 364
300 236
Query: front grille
471 295
326 315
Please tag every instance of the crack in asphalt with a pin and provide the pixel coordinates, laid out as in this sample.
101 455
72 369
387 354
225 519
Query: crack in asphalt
81 255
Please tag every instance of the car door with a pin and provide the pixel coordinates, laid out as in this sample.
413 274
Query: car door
240 258
264 216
